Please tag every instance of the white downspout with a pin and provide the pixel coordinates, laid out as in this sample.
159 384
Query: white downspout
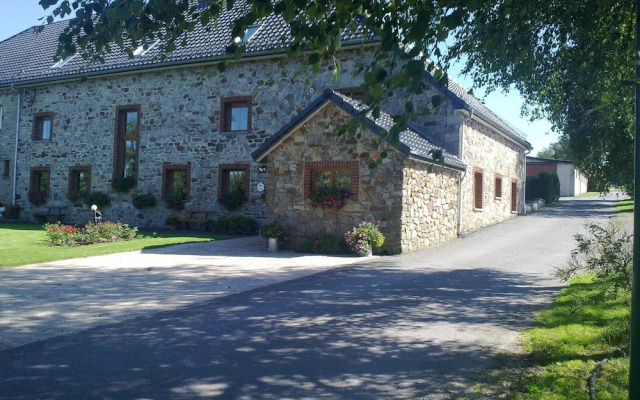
463 175
15 152
525 153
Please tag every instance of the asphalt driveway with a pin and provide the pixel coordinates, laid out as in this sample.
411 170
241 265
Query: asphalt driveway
421 325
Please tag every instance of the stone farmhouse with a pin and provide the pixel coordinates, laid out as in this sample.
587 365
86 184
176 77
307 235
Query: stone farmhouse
174 126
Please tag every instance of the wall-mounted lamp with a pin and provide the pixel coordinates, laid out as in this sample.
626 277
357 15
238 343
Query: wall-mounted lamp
262 168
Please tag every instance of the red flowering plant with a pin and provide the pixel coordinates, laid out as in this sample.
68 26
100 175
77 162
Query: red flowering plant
329 198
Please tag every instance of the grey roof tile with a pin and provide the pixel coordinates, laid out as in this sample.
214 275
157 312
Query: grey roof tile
462 99
413 144
28 56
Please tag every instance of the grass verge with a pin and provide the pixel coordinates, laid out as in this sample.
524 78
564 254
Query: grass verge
588 194
567 342
27 244
625 206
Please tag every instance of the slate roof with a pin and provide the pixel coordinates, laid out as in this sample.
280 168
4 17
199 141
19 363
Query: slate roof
28 56
414 144
462 99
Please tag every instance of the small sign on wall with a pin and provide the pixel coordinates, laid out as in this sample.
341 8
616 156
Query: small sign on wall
260 187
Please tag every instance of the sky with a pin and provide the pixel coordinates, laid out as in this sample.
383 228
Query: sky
18 15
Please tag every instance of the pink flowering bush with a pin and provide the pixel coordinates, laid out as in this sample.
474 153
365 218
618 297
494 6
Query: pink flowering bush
68 235
329 198
364 236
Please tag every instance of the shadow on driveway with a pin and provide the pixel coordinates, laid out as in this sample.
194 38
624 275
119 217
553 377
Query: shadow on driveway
349 333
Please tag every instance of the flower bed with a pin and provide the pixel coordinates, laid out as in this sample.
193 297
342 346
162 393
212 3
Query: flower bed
68 235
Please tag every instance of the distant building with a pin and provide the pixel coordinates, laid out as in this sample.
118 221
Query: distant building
572 181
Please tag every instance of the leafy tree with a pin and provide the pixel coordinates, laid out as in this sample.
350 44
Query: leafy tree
559 150
571 60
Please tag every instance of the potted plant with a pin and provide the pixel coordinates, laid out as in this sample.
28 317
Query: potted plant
274 232
175 201
3 208
146 200
362 238
232 200
172 221
13 211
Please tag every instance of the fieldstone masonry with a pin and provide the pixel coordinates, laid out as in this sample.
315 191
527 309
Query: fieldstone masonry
180 123
181 118
416 208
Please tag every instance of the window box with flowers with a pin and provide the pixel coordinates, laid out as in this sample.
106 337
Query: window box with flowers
362 238
329 198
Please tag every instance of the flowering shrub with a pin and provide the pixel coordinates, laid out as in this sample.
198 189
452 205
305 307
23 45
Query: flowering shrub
323 243
364 236
329 198
67 235
272 230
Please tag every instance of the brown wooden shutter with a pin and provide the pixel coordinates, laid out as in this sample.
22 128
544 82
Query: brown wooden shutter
514 196
477 183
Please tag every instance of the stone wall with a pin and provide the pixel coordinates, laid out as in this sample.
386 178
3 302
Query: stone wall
180 124
490 152
429 205
379 194
9 103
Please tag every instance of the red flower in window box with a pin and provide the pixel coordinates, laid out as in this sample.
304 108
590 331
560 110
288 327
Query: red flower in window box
329 198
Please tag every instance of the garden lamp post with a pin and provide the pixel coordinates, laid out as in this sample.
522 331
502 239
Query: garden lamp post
97 215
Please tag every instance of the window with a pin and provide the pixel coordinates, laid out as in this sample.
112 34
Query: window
6 165
236 114
248 34
176 180
338 178
61 63
232 178
39 185
127 142
498 187
141 50
79 181
0 117
355 93
42 126
344 175
514 196
477 189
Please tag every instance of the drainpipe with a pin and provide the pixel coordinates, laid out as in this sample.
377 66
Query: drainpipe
15 152
463 175
524 180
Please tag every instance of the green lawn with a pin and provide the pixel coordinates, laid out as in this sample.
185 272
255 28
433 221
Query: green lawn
588 194
26 244
567 342
625 206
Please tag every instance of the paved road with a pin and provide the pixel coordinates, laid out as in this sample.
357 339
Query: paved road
420 325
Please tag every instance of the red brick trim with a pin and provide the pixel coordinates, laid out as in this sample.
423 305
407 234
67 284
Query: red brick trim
118 142
514 195
355 92
166 169
478 190
223 178
71 189
498 186
36 133
33 181
225 109
352 166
